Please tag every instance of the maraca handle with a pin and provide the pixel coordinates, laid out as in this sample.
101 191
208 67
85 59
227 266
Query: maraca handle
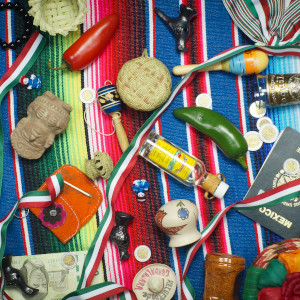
120 131
182 70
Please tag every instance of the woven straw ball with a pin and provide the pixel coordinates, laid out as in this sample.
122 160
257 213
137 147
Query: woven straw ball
144 83
57 16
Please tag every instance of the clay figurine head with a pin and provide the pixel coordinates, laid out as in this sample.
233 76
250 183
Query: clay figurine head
178 219
47 116
100 166
36 276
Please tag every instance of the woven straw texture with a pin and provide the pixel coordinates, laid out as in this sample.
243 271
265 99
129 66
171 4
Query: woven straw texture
144 83
274 250
58 16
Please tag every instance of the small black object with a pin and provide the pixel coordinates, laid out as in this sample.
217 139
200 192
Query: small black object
180 26
28 24
119 233
18 41
12 45
13 277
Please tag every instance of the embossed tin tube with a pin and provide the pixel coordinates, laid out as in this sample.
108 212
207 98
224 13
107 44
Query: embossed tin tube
275 90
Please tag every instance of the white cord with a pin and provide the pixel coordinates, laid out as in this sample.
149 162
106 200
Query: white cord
113 118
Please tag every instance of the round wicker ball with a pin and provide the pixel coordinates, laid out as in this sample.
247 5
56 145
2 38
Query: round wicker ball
144 83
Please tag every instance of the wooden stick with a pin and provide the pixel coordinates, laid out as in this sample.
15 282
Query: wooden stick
121 134
78 189
184 69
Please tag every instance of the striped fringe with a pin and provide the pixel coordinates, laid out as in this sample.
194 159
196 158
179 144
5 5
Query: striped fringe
266 21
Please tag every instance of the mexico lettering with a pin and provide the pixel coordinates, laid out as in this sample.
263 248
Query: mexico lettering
276 217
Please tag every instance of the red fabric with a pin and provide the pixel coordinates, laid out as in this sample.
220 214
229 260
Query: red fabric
291 287
269 293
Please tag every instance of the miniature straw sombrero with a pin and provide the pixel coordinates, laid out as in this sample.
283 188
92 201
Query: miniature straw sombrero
57 16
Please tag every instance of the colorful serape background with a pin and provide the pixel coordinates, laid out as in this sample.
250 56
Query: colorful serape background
212 32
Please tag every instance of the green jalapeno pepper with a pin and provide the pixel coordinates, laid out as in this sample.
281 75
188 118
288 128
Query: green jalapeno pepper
218 128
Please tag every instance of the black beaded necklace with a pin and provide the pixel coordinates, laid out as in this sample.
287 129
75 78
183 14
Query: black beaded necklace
28 24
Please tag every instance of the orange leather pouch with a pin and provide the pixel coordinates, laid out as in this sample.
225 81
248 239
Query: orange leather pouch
71 209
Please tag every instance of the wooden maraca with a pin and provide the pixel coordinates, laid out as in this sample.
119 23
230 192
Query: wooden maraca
246 63
110 102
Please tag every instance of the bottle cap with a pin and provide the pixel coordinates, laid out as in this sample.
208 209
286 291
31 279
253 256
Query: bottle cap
263 121
213 185
268 133
221 190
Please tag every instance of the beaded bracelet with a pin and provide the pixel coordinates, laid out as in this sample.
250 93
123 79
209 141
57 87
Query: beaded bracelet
28 24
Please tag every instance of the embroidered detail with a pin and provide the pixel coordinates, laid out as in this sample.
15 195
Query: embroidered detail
53 216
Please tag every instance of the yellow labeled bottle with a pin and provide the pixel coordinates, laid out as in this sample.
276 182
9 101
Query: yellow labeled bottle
181 165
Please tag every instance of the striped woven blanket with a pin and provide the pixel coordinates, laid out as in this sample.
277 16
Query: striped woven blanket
212 32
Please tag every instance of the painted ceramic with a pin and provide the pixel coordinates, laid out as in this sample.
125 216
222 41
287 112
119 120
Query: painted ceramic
178 219
155 281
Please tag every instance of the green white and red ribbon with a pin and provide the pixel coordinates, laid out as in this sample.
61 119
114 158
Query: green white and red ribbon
129 157
101 291
121 171
288 35
268 198
268 22
44 198
19 68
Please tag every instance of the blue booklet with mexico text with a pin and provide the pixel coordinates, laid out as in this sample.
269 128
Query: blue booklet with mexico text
280 166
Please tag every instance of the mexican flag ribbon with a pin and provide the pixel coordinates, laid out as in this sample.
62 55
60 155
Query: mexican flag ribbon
267 22
129 157
55 184
274 26
277 36
19 68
